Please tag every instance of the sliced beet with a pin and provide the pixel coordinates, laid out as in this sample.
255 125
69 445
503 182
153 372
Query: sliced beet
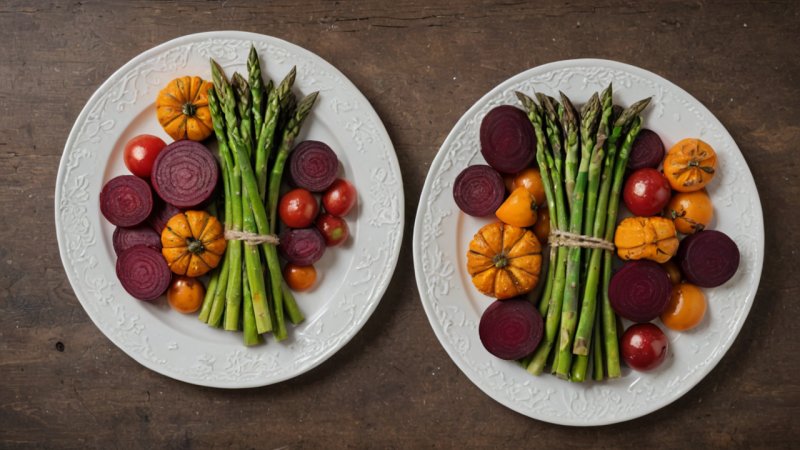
708 258
162 212
143 272
479 190
185 174
302 246
313 166
125 238
507 139
511 329
647 151
640 290
126 201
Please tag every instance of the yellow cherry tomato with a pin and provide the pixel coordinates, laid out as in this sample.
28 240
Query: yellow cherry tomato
531 180
185 294
519 209
299 278
691 211
686 309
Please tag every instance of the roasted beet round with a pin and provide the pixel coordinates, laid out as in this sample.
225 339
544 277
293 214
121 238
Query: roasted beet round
185 174
511 329
302 246
313 166
640 290
507 139
126 201
647 151
708 258
125 238
143 272
479 190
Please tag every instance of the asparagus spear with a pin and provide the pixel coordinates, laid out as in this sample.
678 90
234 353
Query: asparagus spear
569 312
549 106
249 328
597 357
569 122
257 91
610 339
558 220
596 161
599 229
242 106
265 140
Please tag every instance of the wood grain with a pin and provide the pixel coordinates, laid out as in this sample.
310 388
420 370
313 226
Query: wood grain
421 64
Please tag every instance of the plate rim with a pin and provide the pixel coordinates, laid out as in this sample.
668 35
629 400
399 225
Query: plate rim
438 160
380 131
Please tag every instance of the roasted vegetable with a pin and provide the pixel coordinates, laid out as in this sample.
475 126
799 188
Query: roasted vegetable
193 243
651 238
690 165
504 261
182 108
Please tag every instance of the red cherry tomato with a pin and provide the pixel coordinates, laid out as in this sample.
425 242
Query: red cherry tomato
646 192
334 229
644 346
140 152
299 278
340 198
298 208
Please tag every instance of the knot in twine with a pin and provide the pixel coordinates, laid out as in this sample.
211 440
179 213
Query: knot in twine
251 238
560 238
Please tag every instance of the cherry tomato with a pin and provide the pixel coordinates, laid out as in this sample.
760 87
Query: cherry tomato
299 278
542 226
646 192
340 198
519 209
140 153
687 306
644 346
298 208
531 180
185 294
691 211
334 229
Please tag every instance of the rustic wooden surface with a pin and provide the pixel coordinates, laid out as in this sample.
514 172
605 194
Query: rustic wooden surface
63 384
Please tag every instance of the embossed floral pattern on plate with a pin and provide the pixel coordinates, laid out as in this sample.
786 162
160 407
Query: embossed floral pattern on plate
453 306
354 277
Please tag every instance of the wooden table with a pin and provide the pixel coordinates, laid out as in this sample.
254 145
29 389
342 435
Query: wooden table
63 384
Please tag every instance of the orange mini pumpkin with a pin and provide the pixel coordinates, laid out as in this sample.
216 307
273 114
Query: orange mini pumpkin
504 261
193 243
651 238
182 108
690 165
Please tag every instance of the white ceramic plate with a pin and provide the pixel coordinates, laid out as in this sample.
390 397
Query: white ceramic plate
352 279
442 234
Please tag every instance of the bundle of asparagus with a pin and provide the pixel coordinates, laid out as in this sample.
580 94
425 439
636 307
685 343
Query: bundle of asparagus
250 120
582 191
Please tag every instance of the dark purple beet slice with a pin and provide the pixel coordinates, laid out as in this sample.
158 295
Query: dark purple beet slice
162 212
125 238
640 290
126 201
507 139
302 246
313 166
511 329
143 272
647 151
479 190
185 174
708 258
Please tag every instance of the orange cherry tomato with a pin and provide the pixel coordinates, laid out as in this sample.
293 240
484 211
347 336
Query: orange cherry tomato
542 226
185 294
299 278
673 271
531 180
691 211
687 306
519 209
